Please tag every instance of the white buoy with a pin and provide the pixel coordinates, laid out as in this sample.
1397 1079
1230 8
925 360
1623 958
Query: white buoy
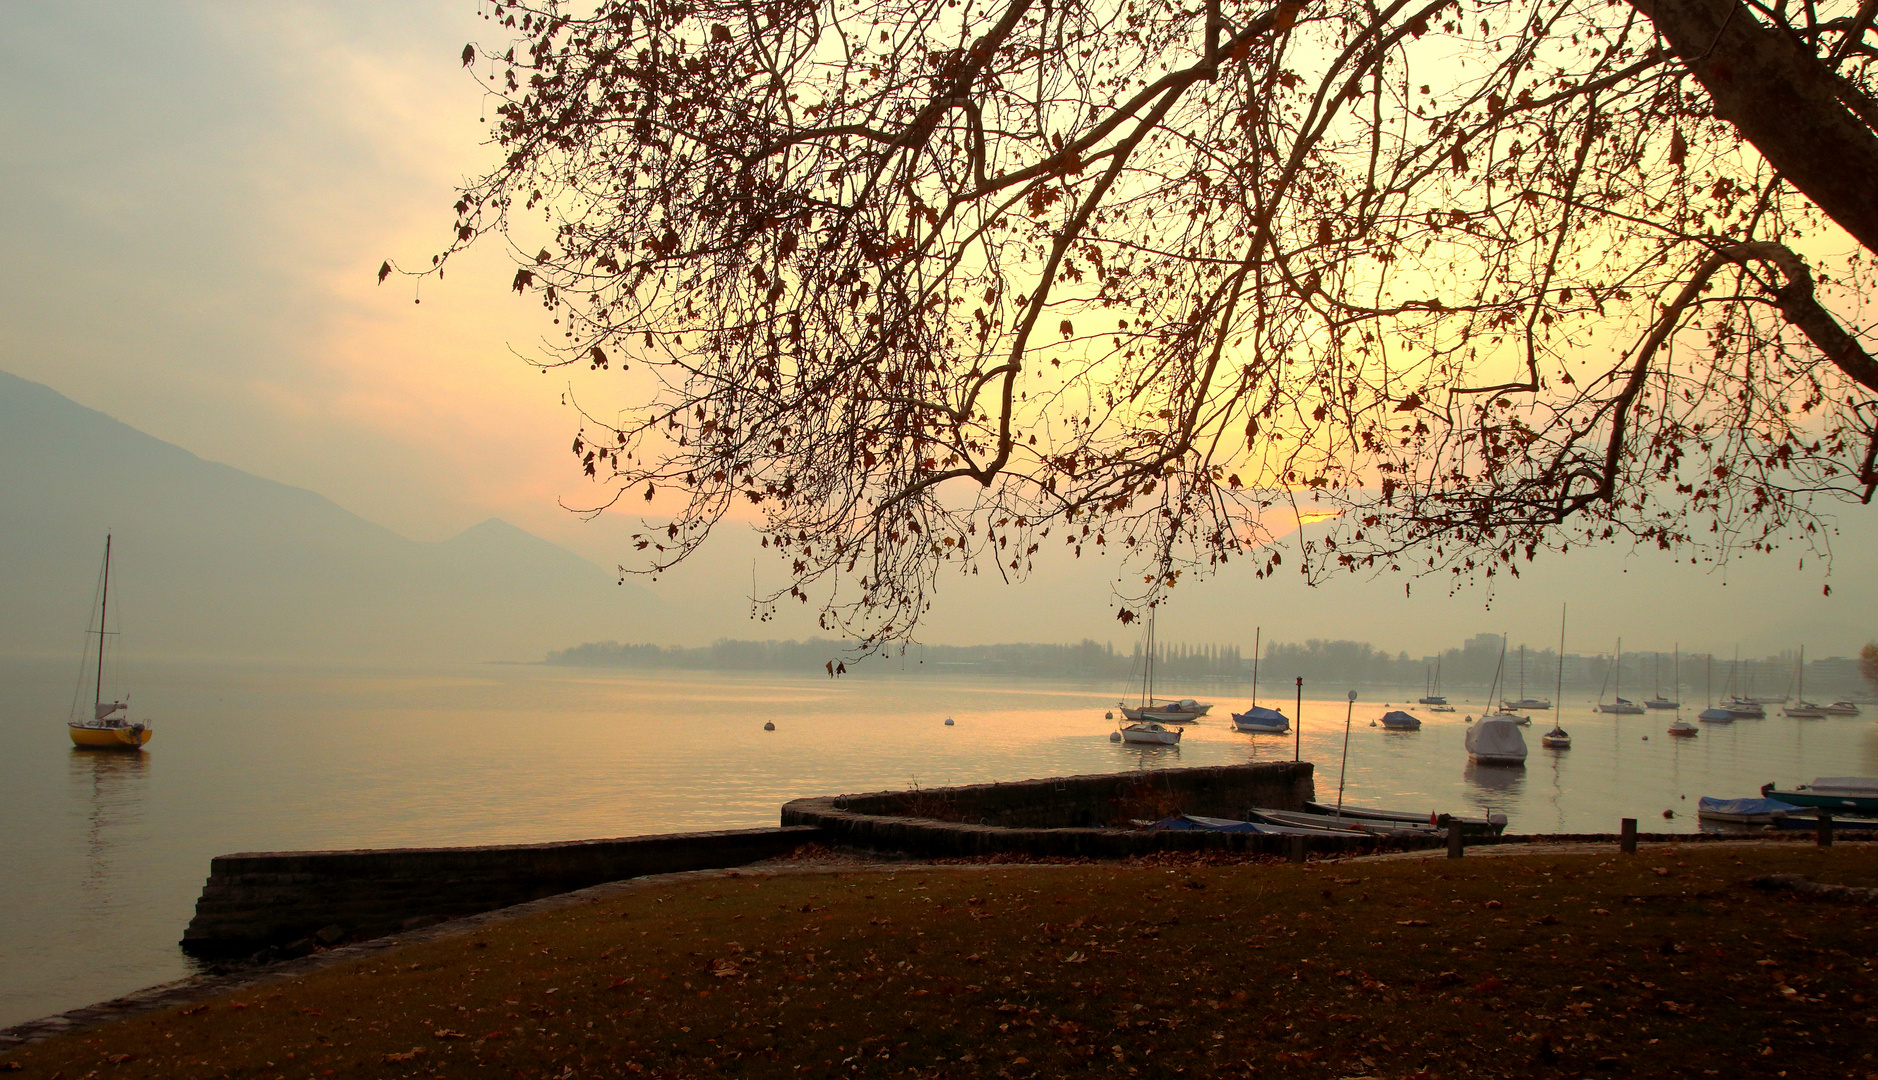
1115 736
948 721
769 725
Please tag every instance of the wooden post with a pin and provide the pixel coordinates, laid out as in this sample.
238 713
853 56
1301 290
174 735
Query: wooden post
1825 829
1628 843
1297 849
1454 840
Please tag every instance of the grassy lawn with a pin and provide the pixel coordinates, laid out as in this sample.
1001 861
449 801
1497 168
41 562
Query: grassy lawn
1657 964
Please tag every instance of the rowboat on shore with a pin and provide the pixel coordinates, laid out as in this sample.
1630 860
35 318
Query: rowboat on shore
1743 811
1490 824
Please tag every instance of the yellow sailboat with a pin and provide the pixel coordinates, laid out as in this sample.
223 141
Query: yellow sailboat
106 730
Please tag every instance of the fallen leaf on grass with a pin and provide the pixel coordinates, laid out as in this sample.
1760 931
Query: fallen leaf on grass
1076 958
1600 911
1489 985
1411 922
392 1059
446 1033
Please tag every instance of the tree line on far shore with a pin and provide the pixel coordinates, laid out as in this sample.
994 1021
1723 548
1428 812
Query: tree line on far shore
1321 663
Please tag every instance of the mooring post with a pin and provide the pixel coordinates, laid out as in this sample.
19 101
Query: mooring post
1297 849
1454 840
1825 829
1628 834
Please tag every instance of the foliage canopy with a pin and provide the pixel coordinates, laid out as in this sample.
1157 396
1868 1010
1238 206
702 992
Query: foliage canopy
937 282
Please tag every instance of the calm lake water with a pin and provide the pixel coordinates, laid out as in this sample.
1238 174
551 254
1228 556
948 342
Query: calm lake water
104 854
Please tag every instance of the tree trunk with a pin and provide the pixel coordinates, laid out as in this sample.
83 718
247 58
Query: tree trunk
1784 100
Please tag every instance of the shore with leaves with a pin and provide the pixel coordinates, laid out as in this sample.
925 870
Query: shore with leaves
1567 961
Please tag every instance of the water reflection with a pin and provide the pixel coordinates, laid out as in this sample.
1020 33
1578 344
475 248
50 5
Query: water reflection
110 785
1494 787
1148 755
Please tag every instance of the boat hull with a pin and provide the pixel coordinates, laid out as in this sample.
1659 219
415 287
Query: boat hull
1825 800
1150 734
109 737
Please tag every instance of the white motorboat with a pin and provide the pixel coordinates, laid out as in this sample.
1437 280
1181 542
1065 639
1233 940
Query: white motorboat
1839 708
1149 733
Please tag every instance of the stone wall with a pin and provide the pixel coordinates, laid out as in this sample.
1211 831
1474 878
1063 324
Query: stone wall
258 899
1067 815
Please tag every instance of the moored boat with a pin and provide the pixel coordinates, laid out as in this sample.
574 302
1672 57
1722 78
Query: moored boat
1743 811
1150 733
1495 740
1839 708
1339 823
106 730
1259 720
1683 729
1556 739
1397 720
1489 824
1855 793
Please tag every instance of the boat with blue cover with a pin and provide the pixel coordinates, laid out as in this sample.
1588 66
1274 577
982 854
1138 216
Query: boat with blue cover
1743 811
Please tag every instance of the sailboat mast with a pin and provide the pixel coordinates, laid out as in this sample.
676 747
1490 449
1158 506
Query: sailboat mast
1558 688
104 603
1255 665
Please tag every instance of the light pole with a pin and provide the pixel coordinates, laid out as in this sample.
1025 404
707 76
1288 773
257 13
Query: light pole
1297 728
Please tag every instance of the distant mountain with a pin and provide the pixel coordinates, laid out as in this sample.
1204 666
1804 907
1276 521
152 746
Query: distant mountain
212 561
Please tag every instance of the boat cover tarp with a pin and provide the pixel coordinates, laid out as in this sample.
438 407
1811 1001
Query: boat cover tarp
1497 736
1191 823
1743 807
1398 718
1259 714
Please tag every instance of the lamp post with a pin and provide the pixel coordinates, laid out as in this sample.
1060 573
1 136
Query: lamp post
1297 728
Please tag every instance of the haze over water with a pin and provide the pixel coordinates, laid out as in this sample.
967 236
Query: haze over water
106 853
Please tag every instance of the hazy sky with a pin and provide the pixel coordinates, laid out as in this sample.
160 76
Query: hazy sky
200 193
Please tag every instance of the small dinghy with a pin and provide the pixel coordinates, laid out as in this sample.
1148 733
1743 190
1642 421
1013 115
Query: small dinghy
1556 739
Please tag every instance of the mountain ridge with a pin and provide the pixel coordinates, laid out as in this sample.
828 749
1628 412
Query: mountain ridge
216 561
